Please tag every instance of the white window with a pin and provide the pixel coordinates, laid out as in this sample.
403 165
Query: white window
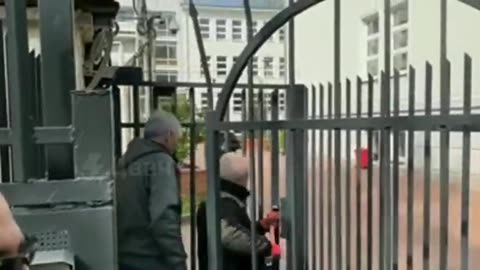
254 27
166 76
208 66
221 29
237 102
281 34
221 66
373 40
163 27
281 67
399 39
268 67
255 66
205 27
400 36
166 53
237 30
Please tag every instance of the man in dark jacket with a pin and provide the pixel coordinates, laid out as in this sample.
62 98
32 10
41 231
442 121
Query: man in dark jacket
236 235
148 199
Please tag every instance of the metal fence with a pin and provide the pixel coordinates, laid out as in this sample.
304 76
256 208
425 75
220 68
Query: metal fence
335 216
267 102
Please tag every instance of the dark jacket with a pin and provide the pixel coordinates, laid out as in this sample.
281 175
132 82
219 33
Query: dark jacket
149 208
235 231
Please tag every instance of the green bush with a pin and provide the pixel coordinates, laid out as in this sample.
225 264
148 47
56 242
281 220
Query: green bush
282 141
184 115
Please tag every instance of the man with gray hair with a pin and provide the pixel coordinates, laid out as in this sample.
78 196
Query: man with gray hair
236 234
148 199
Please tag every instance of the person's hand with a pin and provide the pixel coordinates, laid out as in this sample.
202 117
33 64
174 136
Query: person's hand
271 219
276 252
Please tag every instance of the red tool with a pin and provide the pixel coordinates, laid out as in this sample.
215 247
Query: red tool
274 238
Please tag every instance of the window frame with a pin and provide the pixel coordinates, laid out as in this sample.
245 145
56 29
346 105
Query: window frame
218 35
205 28
237 30
221 72
270 72
168 60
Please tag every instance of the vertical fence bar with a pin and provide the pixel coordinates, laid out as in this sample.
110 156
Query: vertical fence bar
136 111
244 118
427 190
58 77
291 76
117 118
465 222
296 177
213 215
18 79
338 138
201 49
410 168
385 217
396 168
444 138
329 188
321 185
4 149
260 154
358 179
251 138
370 179
313 187
348 184
193 189
275 153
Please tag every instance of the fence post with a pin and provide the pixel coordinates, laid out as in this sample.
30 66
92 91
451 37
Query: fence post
296 179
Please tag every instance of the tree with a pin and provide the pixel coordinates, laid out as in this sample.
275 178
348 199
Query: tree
184 114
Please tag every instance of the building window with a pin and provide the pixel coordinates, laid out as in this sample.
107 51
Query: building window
237 102
281 67
221 29
372 25
255 66
400 36
237 30
400 61
205 27
166 76
208 66
254 27
163 27
268 67
372 67
166 53
281 34
400 16
221 66
373 39
372 47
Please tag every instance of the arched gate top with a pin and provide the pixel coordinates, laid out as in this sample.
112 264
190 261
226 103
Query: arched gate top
252 47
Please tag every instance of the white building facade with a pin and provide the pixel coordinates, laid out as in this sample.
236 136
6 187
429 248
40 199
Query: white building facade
224 32
176 57
415 40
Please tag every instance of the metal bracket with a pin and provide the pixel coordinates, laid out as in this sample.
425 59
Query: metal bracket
53 135
5 136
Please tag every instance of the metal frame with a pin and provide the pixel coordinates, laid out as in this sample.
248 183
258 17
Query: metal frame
389 121
57 180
